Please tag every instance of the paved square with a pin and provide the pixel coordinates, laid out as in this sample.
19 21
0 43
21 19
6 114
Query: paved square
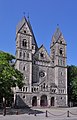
52 114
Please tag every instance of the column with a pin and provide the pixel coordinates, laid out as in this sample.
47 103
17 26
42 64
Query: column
49 101
38 101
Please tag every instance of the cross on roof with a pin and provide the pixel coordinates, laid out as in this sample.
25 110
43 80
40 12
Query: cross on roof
24 13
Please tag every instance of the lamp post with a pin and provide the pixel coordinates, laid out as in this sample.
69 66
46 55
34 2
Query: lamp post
4 106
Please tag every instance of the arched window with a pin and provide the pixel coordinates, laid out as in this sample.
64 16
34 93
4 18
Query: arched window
34 101
44 85
20 54
42 55
24 54
43 100
24 68
23 89
61 42
61 51
24 43
27 55
24 31
26 89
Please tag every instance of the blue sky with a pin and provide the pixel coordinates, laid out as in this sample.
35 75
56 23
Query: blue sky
44 17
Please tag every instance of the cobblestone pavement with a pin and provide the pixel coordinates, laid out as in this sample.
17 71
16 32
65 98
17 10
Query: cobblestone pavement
52 114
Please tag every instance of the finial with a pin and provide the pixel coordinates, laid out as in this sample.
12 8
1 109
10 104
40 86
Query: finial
28 16
57 25
24 14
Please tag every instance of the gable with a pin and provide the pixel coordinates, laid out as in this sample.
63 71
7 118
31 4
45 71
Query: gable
42 55
24 27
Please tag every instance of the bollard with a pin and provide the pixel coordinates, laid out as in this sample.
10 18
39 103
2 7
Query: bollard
68 113
29 113
16 112
4 112
46 114
35 113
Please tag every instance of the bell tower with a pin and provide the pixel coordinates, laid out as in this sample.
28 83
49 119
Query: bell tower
25 47
58 49
58 56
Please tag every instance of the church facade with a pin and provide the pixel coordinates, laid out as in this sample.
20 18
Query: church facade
45 76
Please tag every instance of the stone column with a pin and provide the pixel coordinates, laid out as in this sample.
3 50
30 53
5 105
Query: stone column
55 101
38 101
49 101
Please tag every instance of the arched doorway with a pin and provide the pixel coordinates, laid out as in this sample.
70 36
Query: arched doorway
52 101
34 101
43 101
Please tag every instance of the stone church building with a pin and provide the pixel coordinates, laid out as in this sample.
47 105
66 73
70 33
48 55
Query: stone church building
45 76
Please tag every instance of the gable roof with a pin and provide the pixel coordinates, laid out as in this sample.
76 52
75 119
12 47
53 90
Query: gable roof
44 50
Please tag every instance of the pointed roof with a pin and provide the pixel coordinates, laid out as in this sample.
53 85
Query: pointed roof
21 24
57 34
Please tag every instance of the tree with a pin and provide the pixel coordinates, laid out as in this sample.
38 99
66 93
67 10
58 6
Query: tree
9 76
72 83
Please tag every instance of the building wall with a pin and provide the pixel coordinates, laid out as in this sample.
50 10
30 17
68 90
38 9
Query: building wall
45 76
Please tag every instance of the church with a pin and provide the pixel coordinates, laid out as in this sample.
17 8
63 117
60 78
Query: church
45 75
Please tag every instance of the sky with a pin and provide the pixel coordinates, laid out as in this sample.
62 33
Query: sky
44 15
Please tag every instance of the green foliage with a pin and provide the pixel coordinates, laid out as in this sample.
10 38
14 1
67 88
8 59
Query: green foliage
72 83
9 76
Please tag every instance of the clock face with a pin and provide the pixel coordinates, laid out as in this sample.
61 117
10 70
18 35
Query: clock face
41 74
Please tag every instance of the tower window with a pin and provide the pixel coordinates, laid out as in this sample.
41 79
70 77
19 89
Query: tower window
24 68
53 61
61 62
60 42
24 43
60 51
44 85
42 55
20 54
32 89
24 31
24 55
61 73
27 55
41 87
32 47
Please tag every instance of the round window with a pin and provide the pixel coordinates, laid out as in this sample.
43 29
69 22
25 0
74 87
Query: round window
41 74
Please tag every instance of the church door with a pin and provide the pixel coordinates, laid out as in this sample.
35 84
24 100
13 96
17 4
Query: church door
43 101
34 101
52 101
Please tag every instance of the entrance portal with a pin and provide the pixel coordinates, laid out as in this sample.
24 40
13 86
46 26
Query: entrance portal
43 101
34 101
52 101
